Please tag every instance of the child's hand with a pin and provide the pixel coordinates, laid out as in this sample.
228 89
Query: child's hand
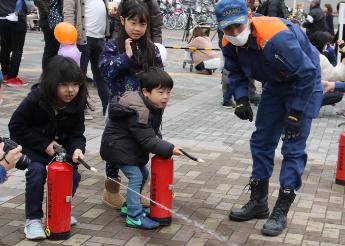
177 151
128 47
50 149
78 154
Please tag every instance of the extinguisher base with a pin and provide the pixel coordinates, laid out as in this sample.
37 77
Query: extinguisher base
162 221
340 182
59 236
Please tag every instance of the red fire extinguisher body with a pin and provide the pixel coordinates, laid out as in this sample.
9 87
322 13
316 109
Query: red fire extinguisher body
161 189
340 175
59 200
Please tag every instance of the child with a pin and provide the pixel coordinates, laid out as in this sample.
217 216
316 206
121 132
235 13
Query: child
120 62
14 16
132 133
52 113
201 40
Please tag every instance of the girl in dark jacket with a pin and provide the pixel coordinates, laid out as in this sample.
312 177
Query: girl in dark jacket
120 62
51 114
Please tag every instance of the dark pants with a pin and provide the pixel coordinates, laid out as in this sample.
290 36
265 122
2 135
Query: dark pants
12 41
51 46
91 52
35 180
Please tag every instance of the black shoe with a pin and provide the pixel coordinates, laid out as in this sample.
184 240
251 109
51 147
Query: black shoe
277 221
256 207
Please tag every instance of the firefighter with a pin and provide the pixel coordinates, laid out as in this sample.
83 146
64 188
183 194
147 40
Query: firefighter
277 53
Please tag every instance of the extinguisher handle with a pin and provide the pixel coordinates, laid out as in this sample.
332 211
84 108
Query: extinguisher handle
87 166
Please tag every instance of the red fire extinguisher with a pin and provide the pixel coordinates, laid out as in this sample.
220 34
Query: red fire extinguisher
59 199
340 175
161 189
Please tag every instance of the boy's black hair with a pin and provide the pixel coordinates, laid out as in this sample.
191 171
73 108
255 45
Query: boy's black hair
144 56
155 77
63 70
319 39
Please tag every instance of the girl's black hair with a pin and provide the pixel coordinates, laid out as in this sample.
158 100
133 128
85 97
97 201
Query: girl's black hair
143 48
154 78
63 70
319 39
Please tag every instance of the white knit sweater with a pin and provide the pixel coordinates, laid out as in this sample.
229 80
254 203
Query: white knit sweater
329 72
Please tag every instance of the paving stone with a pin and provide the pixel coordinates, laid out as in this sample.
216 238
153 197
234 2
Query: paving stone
76 240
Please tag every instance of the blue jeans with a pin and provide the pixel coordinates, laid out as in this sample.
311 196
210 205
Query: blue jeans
35 179
137 177
19 6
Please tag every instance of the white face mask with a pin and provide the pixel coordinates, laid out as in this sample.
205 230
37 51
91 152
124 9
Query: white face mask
241 39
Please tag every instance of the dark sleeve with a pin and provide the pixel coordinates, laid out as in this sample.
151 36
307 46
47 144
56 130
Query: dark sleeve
155 22
22 130
148 139
76 138
111 62
273 8
42 8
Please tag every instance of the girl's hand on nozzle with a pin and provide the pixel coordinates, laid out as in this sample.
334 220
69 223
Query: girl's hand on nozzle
78 154
50 149
177 151
128 47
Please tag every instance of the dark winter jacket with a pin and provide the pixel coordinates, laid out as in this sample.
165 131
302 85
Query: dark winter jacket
132 132
119 71
329 24
318 23
34 125
274 8
155 21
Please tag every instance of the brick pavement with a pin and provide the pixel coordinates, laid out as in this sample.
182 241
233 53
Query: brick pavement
204 191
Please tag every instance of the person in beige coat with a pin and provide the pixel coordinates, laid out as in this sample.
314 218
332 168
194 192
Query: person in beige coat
201 41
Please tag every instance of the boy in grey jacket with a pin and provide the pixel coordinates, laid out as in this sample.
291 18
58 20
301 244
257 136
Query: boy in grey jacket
132 133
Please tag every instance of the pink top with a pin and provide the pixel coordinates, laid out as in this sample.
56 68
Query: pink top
202 55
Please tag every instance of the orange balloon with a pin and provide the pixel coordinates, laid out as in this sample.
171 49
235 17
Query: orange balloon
65 33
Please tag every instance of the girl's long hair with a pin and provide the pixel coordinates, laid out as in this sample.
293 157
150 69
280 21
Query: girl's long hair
63 70
144 56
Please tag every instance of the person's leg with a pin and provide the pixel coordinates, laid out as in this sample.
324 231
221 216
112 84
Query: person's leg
293 164
51 46
263 143
18 33
97 45
136 216
19 6
111 193
5 34
76 180
135 181
35 179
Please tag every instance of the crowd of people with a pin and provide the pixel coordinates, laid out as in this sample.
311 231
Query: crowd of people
258 44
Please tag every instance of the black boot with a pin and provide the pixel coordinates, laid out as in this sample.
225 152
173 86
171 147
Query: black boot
256 207
277 220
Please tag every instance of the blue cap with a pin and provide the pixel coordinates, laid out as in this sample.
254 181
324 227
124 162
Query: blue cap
229 12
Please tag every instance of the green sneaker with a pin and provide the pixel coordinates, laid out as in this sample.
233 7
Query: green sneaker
124 210
142 222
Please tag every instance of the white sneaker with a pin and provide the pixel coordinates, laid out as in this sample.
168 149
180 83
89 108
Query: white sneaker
73 221
12 17
34 230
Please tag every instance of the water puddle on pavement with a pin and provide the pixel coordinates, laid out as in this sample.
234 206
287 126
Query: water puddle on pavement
202 227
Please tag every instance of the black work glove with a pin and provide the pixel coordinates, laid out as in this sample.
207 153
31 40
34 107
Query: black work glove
292 125
243 109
